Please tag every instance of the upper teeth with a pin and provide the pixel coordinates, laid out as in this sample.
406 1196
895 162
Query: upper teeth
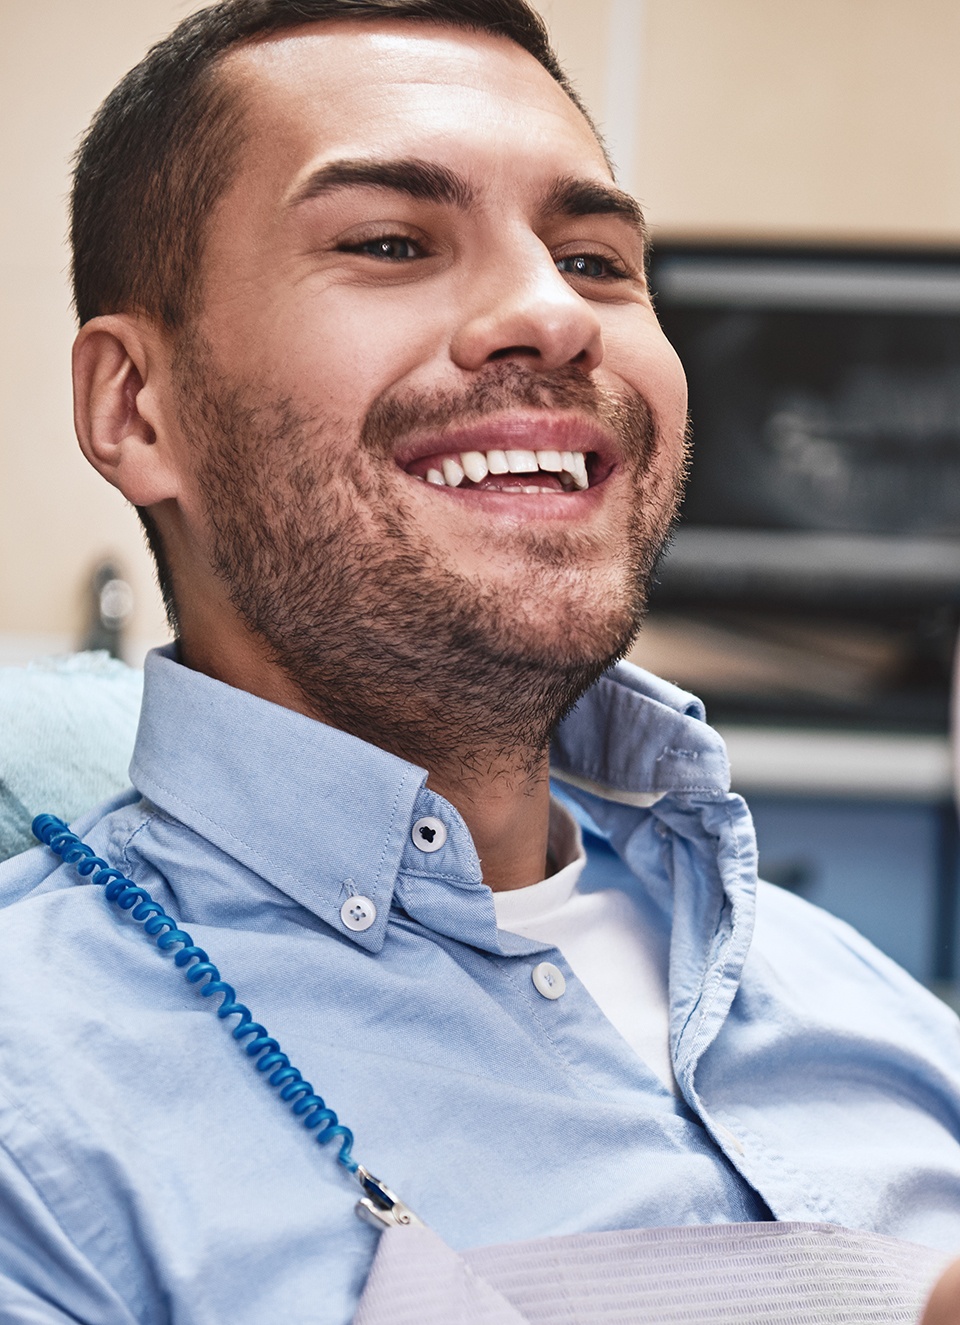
476 465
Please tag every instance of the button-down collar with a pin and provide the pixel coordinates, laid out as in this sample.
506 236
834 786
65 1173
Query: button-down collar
308 829
633 738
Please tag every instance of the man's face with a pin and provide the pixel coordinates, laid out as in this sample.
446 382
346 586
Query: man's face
427 385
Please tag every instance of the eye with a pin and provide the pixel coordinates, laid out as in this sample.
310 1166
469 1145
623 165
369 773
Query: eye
388 248
591 267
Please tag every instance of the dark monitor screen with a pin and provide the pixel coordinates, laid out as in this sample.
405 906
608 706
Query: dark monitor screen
824 387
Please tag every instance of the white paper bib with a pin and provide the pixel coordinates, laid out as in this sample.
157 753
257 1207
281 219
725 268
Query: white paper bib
715 1274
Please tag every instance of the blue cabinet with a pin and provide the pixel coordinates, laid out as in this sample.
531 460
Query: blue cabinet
887 867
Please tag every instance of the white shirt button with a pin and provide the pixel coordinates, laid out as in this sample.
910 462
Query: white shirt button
428 834
358 913
548 980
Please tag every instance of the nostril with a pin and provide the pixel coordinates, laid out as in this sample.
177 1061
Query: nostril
525 351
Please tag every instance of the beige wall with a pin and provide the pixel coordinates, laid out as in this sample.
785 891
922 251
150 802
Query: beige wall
58 60
810 118
814 118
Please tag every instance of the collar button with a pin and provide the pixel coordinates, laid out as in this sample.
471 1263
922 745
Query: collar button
428 834
358 913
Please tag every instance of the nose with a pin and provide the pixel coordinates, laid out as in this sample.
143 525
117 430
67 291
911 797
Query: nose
525 309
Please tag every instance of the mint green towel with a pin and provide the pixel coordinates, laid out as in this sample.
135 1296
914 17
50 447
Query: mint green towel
67 727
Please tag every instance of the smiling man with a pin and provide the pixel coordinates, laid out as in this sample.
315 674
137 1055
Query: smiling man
366 338
419 435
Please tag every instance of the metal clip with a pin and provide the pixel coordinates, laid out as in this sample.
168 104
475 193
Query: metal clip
381 1207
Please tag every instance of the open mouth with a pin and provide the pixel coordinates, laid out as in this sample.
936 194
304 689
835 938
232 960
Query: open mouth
519 471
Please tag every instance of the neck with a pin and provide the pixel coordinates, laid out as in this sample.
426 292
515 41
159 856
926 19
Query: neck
478 720
507 810
497 781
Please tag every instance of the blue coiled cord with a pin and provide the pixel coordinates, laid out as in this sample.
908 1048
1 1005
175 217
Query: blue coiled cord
263 1048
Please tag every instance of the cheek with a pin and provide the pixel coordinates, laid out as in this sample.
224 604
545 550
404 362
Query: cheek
645 361
344 351
672 384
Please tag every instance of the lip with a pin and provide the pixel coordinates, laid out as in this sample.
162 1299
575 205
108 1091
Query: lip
540 430
519 509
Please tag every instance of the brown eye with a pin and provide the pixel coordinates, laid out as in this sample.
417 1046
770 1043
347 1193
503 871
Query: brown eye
389 248
590 266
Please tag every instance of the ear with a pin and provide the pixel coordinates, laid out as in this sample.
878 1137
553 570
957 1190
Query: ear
121 398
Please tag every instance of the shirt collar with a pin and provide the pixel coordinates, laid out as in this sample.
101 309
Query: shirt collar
633 738
323 816
319 814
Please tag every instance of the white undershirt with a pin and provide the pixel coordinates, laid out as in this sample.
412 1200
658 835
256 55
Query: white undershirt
621 962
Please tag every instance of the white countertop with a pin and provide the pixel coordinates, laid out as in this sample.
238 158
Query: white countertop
815 762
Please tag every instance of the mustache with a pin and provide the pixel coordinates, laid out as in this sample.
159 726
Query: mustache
505 386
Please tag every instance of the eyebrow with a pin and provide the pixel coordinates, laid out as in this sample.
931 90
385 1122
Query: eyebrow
571 196
428 182
423 180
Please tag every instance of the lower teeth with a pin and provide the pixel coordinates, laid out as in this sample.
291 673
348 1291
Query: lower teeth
566 481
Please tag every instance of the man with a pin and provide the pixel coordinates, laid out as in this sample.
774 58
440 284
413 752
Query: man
365 337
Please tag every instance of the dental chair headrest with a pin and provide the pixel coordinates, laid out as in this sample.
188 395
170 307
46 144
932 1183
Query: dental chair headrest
67 727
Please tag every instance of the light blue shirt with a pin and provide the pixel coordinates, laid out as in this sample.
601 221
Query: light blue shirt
147 1171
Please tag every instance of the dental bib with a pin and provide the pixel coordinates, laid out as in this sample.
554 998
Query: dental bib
715 1274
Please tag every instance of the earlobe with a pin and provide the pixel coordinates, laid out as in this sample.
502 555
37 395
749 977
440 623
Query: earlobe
117 362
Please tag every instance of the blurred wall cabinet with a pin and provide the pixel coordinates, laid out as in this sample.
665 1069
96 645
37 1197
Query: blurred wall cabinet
812 593
888 868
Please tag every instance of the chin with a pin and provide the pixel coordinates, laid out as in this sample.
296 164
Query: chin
592 632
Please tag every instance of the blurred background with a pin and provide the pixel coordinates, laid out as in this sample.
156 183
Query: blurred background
799 164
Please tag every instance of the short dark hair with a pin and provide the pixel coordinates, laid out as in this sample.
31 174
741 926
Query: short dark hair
163 147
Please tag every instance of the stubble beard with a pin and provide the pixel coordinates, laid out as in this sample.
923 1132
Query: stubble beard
380 636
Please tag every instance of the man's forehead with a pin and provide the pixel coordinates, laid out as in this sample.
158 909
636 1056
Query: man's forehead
361 80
